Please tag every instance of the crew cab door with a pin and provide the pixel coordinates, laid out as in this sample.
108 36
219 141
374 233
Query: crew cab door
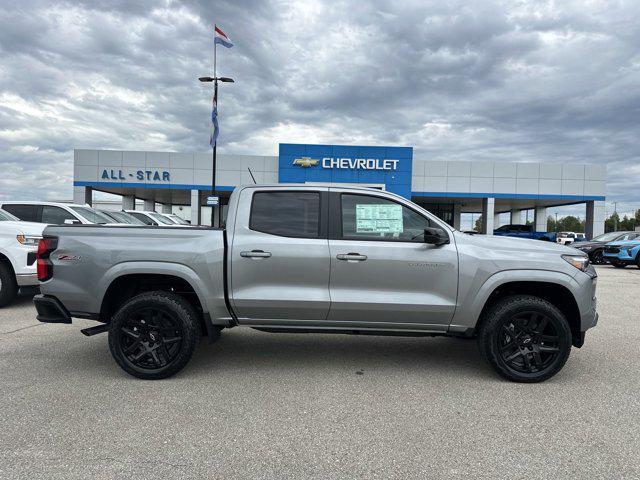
382 271
280 255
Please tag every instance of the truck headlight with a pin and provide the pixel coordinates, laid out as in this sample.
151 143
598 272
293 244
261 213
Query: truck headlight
579 261
27 240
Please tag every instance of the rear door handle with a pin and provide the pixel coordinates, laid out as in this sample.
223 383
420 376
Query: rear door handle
351 257
255 254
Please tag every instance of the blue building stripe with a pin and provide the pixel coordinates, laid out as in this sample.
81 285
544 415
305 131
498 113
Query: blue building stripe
534 196
227 188
175 186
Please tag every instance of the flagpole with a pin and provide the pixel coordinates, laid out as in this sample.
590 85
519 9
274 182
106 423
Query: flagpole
215 144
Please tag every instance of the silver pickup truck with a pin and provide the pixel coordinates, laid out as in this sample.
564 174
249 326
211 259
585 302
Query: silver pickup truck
301 258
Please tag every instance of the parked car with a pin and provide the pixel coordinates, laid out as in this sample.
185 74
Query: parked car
122 217
152 218
302 258
565 238
595 246
54 213
176 219
524 231
623 253
18 245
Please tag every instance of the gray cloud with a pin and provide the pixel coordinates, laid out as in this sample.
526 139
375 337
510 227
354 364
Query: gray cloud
501 80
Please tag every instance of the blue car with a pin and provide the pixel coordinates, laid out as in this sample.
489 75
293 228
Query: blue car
621 254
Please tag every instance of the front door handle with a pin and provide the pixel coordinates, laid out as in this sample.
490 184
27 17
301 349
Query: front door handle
255 254
351 257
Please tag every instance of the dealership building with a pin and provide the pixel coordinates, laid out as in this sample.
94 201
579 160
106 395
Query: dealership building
446 188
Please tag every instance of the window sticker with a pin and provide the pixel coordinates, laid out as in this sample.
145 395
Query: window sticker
379 219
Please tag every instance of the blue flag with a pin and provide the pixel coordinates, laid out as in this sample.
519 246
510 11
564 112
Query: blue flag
214 120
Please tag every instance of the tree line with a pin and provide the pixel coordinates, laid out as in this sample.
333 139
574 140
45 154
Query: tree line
571 223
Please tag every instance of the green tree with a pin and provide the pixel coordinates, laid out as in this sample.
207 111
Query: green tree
611 222
551 224
478 225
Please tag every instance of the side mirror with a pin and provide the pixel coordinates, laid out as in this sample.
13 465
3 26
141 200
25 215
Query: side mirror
435 236
70 221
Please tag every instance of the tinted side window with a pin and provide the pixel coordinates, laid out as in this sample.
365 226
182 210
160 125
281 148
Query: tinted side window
142 217
28 213
56 215
373 218
288 214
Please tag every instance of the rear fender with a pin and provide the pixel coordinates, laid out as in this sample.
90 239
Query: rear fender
157 268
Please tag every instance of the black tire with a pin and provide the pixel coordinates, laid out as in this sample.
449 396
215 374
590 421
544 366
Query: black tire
597 257
160 328
525 339
8 286
618 264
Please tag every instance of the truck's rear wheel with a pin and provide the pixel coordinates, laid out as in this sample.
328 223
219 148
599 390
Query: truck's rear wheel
154 335
8 287
525 339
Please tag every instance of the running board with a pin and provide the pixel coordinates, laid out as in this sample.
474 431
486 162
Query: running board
95 330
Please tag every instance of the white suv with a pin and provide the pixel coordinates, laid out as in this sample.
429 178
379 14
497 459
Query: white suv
53 213
18 247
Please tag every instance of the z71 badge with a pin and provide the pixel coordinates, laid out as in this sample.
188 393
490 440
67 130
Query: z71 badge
68 258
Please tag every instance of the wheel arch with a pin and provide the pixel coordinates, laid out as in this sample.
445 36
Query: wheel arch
6 260
555 293
130 282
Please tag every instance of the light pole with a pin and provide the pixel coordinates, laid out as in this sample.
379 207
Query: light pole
215 81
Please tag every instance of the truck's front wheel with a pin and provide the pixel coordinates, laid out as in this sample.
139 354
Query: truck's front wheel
154 335
8 287
525 339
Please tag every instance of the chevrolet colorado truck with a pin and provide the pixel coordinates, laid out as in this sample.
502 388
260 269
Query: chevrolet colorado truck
301 258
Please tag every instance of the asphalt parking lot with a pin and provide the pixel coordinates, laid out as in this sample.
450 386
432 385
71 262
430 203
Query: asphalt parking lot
259 405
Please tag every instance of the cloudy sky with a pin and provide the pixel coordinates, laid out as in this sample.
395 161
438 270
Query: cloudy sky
458 80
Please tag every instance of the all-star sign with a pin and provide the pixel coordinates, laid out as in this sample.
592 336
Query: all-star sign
388 166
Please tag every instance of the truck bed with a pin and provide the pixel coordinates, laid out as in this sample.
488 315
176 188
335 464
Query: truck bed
99 254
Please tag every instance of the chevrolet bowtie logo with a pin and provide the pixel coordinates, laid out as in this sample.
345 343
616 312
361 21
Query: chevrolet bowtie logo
305 162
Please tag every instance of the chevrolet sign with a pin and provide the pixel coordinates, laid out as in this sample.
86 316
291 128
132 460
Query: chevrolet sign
348 163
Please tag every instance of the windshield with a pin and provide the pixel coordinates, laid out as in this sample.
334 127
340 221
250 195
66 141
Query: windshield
92 215
607 237
177 219
124 217
160 219
6 216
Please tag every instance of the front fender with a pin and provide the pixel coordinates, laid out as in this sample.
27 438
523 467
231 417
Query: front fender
471 300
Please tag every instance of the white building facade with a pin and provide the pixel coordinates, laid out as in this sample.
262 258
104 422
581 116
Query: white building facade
447 188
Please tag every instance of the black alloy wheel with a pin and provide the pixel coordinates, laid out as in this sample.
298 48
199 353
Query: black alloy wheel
154 335
528 342
525 338
597 258
150 338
